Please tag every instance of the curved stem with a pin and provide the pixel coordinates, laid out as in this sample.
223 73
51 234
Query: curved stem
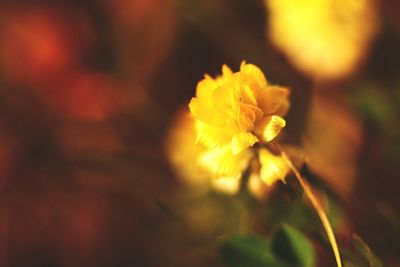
317 205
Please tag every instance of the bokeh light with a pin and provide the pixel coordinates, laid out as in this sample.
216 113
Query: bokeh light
325 39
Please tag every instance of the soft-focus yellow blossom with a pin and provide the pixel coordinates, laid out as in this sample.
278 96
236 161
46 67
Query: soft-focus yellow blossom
257 187
192 166
226 185
221 162
324 38
233 112
187 157
273 167
183 153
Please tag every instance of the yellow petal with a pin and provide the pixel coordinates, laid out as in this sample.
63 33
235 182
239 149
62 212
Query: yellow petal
213 136
205 88
222 162
274 100
269 127
199 110
204 112
273 168
226 71
247 95
241 141
246 118
225 101
226 76
253 76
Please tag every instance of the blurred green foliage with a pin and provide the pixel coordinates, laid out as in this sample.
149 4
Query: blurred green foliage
285 247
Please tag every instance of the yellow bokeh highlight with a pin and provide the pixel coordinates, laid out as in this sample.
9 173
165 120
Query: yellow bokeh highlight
326 39
182 152
193 164
226 185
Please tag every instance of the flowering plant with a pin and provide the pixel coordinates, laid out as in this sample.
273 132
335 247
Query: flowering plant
234 112
236 119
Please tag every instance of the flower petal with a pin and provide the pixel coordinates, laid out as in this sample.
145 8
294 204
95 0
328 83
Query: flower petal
226 71
253 76
204 112
269 127
205 88
273 168
222 162
213 136
246 118
241 141
247 95
274 100
225 101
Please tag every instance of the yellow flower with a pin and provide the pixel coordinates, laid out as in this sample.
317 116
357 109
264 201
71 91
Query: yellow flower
324 38
233 112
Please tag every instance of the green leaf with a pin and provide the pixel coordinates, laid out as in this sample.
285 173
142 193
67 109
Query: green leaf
292 247
366 252
248 251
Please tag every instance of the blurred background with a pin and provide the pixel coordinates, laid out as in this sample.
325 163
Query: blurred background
89 91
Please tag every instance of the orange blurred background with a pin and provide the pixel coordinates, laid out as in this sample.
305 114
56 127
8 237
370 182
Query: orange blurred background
89 89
